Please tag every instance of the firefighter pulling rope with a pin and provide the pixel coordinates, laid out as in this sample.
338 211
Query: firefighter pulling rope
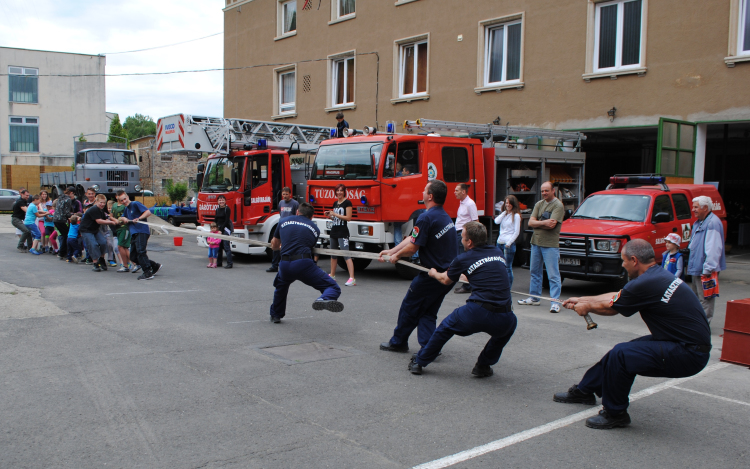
329 252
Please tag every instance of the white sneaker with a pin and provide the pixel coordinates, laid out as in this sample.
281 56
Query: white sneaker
351 282
530 301
554 307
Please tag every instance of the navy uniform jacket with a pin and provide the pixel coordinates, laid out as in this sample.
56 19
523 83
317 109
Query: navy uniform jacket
486 270
298 235
435 235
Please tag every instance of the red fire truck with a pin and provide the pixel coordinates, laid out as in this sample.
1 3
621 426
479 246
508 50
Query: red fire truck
249 163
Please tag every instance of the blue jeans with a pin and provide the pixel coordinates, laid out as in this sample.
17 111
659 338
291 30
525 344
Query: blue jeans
96 244
307 272
612 378
73 248
419 310
509 252
398 236
551 259
467 320
34 230
213 252
458 239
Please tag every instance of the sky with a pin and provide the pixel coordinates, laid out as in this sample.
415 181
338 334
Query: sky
106 27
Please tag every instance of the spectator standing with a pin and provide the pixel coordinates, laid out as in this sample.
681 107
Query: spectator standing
18 218
467 211
510 227
287 208
213 246
89 201
139 234
95 240
32 215
546 221
63 212
341 215
341 124
672 260
223 219
707 256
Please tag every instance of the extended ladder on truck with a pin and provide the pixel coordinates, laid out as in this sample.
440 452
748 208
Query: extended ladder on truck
493 130
186 133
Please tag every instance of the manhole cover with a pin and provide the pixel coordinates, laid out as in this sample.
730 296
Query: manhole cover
308 352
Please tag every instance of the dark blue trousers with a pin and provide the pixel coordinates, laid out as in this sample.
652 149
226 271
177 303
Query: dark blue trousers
612 378
306 272
419 309
467 320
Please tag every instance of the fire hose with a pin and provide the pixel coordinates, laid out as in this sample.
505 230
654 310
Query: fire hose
590 324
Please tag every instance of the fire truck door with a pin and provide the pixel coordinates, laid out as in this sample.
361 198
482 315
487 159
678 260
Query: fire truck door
258 197
663 222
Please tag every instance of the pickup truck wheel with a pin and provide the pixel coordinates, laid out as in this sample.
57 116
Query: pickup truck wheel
359 263
172 221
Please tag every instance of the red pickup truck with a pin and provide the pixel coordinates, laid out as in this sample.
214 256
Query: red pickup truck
632 207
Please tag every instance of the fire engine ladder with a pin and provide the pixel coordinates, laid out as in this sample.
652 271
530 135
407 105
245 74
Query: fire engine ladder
492 130
226 134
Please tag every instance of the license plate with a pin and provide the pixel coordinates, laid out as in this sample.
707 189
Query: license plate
366 210
569 261
329 224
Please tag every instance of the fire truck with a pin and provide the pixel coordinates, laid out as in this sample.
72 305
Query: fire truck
249 163
385 173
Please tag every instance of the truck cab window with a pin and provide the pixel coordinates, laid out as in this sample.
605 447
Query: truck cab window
662 204
390 162
455 164
407 159
257 174
223 174
682 206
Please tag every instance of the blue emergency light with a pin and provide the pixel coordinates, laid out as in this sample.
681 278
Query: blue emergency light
262 144
390 127
363 200
334 131
312 199
645 180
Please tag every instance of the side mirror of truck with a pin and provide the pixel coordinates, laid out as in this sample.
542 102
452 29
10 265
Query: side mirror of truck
661 217
568 214
201 167
199 180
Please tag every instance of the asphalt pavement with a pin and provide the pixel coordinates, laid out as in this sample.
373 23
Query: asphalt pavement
186 371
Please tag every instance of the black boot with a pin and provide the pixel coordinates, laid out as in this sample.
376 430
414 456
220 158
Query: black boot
575 396
606 420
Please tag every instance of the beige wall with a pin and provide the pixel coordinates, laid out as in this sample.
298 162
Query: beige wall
686 76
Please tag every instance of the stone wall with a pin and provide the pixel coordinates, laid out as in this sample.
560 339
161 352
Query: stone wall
179 167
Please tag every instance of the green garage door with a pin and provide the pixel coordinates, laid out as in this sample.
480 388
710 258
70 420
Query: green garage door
675 154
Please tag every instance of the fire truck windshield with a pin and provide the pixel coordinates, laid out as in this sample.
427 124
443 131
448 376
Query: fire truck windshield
223 175
347 161
614 207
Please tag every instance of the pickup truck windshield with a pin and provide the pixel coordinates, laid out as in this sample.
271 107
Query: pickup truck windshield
110 157
223 175
347 161
614 207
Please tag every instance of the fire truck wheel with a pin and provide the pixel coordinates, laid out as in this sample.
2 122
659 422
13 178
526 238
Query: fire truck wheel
359 264
406 272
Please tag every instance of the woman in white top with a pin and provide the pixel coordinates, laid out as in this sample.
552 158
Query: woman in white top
510 227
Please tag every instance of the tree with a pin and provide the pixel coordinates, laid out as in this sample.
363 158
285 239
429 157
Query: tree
116 130
138 126
176 191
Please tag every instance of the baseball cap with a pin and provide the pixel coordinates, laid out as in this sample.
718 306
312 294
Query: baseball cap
673 238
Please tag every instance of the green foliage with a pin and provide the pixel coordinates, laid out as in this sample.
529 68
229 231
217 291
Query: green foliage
116 130
138 126
81 138
176 191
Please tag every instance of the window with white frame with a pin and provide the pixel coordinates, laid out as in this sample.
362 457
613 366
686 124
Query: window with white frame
345 8
413 68
24 134
287 15
23 85
744 29
342 82
502 46
287 92
618 35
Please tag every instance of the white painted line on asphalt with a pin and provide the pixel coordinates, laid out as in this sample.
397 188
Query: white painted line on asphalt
546 428
263 320
714 396
158 291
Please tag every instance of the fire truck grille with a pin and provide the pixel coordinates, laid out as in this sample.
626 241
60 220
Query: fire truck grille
573 244
321 209
117 178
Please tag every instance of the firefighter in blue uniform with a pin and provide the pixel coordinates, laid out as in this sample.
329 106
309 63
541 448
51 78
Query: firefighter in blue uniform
489 308
678 346
435 238
295 237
